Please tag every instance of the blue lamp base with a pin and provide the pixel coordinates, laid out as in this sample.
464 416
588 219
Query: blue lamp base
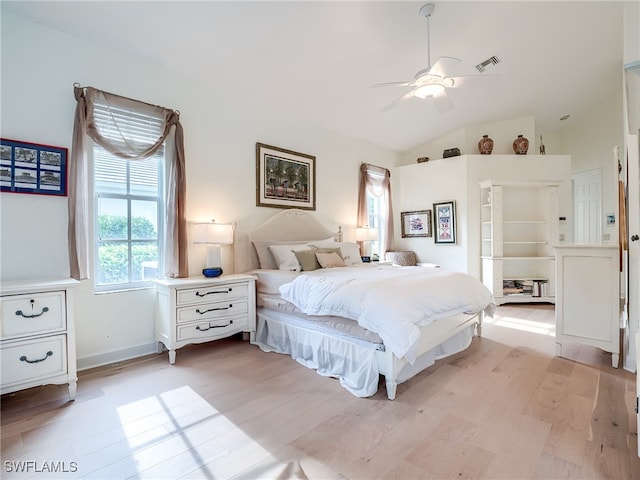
211 272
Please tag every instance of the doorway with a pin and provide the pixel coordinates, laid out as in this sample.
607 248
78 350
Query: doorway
587 206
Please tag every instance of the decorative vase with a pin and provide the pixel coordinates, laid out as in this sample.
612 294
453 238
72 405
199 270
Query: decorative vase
520 145
485 145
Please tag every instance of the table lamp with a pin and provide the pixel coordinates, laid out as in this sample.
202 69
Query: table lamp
366 235
213 235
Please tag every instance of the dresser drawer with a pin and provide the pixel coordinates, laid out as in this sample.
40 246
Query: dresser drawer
211 310
32 314
32 359
211 329
212 293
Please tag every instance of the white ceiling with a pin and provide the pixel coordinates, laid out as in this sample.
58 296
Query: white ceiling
317 61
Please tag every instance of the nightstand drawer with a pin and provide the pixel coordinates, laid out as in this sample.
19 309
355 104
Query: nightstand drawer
211 293
31 314
33 359
211 310
212 328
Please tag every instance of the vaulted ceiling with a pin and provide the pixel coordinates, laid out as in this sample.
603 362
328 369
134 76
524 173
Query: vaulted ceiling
317 61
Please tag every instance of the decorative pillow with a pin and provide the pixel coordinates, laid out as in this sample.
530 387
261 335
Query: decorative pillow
350 252
330 260
265 257
267 261
308 260
285 256
404 259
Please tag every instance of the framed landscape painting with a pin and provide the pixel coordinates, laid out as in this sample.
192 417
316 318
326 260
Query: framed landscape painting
444 219
285 179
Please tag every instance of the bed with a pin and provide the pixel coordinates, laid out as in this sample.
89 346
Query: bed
317 302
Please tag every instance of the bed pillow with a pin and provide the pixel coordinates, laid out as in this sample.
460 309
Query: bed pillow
285 256
330 260
307 258
350 252
265 257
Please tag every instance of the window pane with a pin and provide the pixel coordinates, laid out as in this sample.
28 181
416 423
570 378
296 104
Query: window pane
144 220
144 261
144 177
110 172
113 263
112 219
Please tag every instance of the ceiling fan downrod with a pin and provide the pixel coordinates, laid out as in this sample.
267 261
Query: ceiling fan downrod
426 10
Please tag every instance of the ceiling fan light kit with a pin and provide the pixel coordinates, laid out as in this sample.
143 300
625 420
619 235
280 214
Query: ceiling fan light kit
429 90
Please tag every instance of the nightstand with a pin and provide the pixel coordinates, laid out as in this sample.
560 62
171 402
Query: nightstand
37 344
197 310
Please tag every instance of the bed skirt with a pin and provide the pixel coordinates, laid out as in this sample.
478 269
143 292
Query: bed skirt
356 363
352 361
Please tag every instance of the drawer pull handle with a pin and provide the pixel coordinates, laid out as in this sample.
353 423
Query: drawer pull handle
25 359
213 326
228 290
213 309
20 313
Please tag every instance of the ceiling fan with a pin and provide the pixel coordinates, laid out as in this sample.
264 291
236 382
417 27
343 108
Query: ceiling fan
431 82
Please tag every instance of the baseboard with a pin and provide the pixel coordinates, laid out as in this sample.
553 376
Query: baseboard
108 358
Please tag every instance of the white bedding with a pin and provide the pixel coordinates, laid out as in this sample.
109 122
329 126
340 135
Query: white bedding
393 302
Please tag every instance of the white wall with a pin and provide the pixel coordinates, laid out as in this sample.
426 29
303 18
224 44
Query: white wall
39 67
590 141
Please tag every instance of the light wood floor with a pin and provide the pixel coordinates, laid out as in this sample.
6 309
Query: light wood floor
505 408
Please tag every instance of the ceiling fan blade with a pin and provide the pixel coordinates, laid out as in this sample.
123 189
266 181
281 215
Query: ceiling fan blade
442 65
483 80
442 103
409 83
406 96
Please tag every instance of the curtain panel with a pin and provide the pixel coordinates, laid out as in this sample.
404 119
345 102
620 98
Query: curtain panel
85 131
377 182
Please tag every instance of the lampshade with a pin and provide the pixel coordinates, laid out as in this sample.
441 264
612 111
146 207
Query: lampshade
366 234
212 233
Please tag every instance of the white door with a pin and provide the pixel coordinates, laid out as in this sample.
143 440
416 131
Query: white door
632 81
587 188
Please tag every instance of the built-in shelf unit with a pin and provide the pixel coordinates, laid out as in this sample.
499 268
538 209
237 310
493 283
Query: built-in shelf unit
519 225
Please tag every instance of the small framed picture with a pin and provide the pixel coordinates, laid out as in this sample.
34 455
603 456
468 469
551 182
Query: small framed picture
444 219
32 168
416 223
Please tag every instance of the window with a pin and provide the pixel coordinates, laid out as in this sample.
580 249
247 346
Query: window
128 203
374 209
374 205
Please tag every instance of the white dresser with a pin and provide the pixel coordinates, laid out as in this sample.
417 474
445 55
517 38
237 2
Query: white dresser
588 297
37 344
196 310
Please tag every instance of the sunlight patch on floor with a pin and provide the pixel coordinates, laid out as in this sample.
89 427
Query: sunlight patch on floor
541 328
186 427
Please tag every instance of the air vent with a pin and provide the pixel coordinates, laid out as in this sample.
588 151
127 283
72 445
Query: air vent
489 61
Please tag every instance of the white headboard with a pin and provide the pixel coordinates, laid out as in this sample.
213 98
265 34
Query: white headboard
290 224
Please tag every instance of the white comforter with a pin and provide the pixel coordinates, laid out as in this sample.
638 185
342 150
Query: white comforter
391 301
